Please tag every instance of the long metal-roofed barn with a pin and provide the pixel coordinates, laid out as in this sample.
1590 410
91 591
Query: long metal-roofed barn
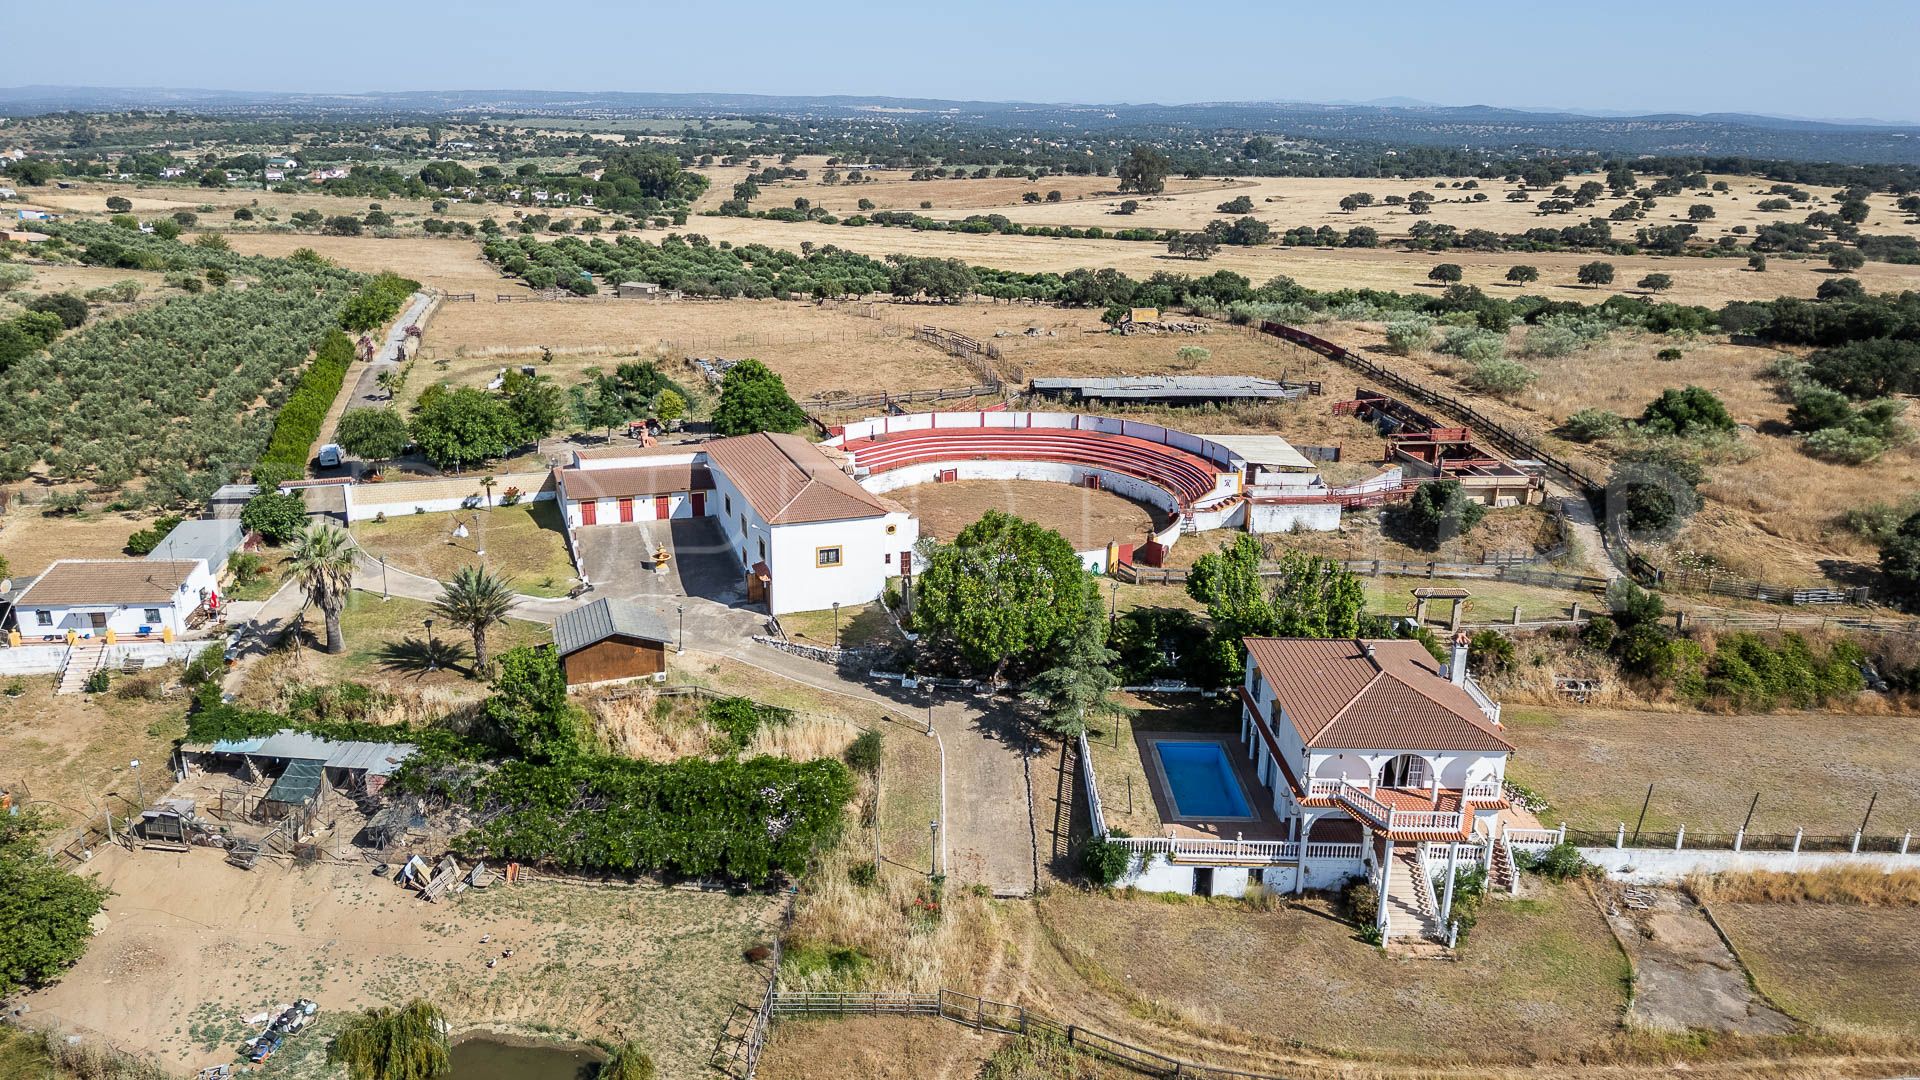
1171 389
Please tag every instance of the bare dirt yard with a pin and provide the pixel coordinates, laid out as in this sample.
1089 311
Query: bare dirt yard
1088 519
1593 766
31 540
192 947
67 751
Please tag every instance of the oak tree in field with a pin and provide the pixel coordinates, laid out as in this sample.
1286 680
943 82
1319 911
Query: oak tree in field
1144 170
1847 260
1447 273
1523 275
1596 274
1656 282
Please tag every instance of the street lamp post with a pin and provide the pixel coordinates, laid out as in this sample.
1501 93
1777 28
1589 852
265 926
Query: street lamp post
836 624
681 646
139 789
933 857
433 649
384 594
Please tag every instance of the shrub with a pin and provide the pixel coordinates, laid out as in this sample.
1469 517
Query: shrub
1472 343
864 753
1560 862
1490 653
144 541
1405 333
1687 412
98 681
1362 902
1591 425
1501 378
1103 860
863 874
1438 511
246 567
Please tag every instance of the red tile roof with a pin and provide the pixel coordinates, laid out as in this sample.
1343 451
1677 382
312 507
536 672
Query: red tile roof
1389 695
638 480
790 481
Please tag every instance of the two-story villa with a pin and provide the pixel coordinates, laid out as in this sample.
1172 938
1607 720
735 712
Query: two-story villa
1370 758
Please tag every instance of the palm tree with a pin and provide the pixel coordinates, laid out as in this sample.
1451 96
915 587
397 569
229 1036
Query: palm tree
476 599
323 563
408 1043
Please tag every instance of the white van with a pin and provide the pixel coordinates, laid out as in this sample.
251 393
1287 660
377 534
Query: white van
330 456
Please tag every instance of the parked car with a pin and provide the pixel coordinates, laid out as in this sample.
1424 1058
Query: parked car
330 456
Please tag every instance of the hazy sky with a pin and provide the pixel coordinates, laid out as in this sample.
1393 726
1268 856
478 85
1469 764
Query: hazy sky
1843 58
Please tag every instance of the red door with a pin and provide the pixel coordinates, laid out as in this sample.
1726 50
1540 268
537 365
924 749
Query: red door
662 508
588 511
699 504
626 509
906 562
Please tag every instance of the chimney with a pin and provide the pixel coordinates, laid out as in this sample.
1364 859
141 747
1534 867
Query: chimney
1457 667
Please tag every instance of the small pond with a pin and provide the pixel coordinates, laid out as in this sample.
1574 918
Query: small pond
491 1057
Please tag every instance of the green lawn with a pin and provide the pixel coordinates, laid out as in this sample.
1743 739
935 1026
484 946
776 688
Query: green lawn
388 641
859 625
522 542
1811 770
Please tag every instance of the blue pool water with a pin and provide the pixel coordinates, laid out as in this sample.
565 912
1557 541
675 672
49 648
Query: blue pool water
1201 780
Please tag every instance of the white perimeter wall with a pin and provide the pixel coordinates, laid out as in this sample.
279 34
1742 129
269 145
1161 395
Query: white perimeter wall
1286 517
1659 866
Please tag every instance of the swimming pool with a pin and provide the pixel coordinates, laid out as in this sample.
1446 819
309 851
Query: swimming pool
1200 780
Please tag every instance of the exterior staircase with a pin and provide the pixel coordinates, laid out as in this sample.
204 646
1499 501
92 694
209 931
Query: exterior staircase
1410 905
84 657
1502 875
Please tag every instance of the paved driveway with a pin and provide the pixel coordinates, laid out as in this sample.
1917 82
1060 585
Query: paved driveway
619 561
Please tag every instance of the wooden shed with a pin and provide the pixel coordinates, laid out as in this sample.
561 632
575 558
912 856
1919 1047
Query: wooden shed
610 640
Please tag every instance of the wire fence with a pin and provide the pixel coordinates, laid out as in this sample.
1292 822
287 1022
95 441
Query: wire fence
982 1014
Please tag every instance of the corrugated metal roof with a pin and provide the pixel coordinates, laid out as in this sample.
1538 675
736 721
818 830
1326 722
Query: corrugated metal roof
1264 450
211 539
575 630
789 481
1172 386
377 758
1386 695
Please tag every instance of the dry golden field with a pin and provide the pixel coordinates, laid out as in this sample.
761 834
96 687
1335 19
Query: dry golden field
1772 511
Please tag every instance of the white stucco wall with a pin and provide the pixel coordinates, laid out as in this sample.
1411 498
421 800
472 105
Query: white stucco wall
869 555
1659 866
607 511
1049 471
121 618
1286 517
636 461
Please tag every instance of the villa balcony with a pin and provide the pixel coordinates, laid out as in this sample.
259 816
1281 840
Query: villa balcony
1408 812
1217 852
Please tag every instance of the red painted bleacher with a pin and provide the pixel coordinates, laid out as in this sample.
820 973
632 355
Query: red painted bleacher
1185 476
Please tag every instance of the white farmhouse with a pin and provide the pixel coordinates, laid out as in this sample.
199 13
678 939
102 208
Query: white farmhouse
806 534
127 596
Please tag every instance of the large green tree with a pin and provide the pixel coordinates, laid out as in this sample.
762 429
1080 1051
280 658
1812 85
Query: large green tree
1438 511
529 709
45 912
1302 596
408 1043
374 434
754 398
279 518
1076 684
1004 595
1900 557
534 403
1144 170
1689 411
465 425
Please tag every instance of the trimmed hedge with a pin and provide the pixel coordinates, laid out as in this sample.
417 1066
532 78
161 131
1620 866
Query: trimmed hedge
306 409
